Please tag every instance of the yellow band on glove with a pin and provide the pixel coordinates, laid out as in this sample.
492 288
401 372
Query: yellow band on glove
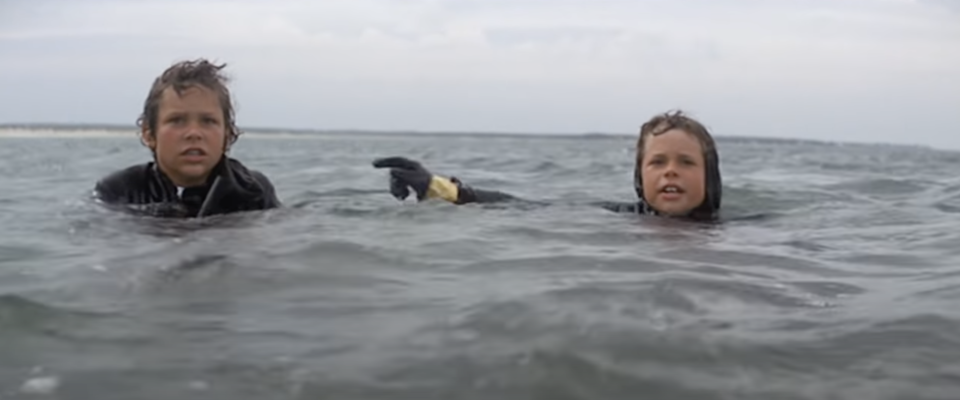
443 188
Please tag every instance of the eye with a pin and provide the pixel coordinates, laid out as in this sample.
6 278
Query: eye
211 120
687 160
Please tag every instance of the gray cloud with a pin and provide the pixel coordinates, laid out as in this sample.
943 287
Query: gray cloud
847 69
951 5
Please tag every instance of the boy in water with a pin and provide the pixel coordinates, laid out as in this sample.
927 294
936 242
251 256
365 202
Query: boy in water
677 174
188 124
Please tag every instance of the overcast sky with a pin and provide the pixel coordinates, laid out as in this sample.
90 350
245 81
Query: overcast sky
858 70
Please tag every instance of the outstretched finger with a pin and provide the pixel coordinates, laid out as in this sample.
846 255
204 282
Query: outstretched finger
396 162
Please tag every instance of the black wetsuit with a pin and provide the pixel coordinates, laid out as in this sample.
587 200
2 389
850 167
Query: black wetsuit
707 210
468 195
409 173
145 189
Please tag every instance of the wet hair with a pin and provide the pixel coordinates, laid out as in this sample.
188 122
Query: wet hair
666 122
182 76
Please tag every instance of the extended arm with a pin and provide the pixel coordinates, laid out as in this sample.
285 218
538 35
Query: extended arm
406 174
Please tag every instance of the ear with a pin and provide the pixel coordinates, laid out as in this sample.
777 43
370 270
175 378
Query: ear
148 139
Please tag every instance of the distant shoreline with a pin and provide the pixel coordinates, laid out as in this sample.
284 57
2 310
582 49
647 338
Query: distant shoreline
62 130
301 131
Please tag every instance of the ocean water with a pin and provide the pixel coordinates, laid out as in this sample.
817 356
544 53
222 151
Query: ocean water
835 275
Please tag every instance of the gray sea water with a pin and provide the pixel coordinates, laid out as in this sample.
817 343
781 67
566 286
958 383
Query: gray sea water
835 276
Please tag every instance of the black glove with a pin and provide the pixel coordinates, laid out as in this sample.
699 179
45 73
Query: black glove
406 173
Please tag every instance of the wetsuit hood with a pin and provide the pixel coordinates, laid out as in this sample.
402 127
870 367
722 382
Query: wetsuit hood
710 207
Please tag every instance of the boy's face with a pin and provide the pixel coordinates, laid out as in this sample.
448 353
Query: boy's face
190 135
674 181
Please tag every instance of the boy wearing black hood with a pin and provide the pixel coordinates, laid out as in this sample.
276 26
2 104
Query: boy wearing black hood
188 124
677 174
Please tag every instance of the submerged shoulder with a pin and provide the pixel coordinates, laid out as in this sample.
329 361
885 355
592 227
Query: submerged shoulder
254 181
262 179
116 184
248 174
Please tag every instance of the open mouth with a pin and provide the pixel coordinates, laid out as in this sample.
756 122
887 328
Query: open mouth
671 189
194 152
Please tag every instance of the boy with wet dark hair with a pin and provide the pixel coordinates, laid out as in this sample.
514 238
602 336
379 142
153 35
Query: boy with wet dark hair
677 170
676 174
188 124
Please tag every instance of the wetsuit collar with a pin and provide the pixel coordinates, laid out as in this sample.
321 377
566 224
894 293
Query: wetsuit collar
196 200
216 170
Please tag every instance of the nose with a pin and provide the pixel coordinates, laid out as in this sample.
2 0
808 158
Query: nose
194 132
671 169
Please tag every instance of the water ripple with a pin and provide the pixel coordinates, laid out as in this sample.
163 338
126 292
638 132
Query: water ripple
826 279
